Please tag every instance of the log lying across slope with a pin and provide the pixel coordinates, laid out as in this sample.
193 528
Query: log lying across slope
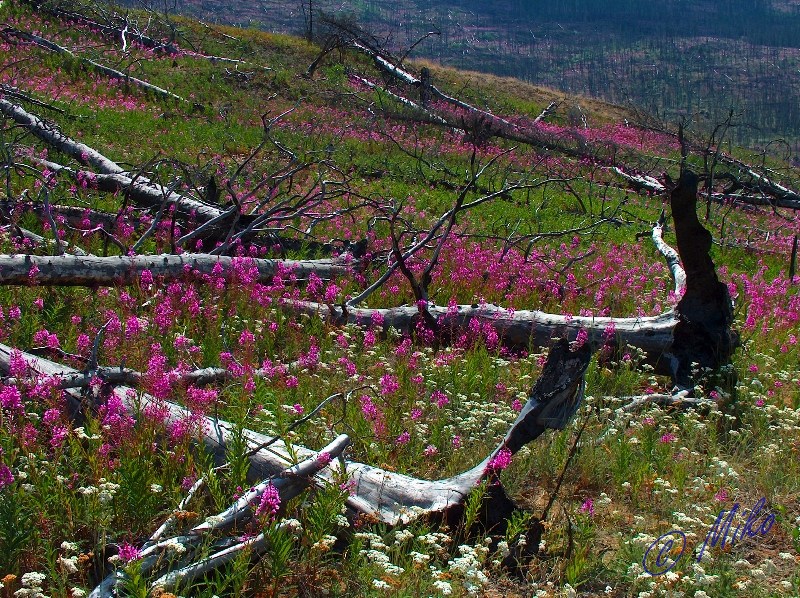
100 68
73 270
111 174
387 496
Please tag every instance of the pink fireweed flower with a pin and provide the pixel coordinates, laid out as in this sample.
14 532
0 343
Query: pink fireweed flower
389 384
201 398
580 339
51 416
270 503
516 405
610 332
146 278
369 409
369 339
456 441
404 438
416 414
331 292
128 552
588 507
10 398
59 434
298 408
500 461
430 451
324 458
6 477
291 382
246 338
667 438
721 495
440 398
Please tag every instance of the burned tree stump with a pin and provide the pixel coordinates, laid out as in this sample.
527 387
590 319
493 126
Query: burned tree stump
702 337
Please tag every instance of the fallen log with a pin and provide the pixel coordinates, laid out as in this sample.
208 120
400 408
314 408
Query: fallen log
109 30
383 495
100 68
289 484
92 271
39 240
516 329
111 176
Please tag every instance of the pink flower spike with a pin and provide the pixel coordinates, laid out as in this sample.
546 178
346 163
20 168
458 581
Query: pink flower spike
324 458
430 451
128 552
588 507
500 461
270 502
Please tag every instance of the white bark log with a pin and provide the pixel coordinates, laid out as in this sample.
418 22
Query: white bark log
73 270
100 68
387 496
112 175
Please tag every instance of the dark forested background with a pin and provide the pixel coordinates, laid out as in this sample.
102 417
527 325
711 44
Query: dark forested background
698 58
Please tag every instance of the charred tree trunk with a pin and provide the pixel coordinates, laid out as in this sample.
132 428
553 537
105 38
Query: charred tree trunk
703 332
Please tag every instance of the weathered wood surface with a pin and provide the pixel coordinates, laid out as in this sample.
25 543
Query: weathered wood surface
387 496
91 271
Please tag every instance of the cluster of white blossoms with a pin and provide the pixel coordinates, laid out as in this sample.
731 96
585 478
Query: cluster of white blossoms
105 490
469 566
31 586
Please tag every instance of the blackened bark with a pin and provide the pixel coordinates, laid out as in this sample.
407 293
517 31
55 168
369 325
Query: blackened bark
703 334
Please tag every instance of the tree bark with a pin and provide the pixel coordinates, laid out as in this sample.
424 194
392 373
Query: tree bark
112 176
93 271
387 496
703 334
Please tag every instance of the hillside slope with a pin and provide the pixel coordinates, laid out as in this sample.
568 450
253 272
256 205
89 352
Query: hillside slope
674 58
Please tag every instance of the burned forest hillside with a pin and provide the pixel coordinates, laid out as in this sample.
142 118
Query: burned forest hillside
282 318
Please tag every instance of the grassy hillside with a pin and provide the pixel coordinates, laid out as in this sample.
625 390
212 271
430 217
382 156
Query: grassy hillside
693 59
327 160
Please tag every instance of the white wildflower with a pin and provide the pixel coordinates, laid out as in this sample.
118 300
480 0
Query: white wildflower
69 564
444 588
173 545
33 579
403 535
